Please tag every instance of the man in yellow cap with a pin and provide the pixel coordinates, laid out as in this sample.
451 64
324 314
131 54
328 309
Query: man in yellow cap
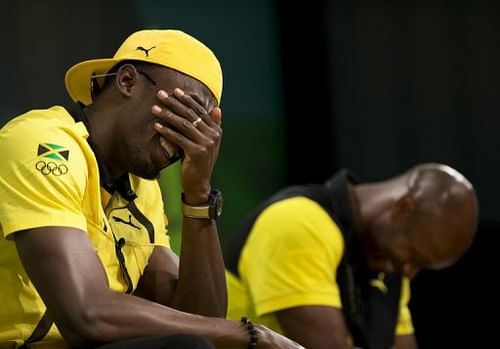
84 253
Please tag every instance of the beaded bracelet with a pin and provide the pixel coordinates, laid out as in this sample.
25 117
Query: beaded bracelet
252 332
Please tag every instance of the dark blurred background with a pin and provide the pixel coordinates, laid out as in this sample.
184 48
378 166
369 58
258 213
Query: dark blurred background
376 86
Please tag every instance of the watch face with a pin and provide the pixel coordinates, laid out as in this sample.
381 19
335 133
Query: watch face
216 201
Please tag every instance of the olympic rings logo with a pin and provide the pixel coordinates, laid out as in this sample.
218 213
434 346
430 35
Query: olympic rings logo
51 167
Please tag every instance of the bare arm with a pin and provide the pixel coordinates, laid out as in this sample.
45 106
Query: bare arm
406 342
315 327
321 327
65 269
159 280
201 286
198 291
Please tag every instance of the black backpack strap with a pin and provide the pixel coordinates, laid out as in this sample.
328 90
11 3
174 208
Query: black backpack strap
371 313
40 331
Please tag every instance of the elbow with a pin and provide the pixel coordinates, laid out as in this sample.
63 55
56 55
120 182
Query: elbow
84 328
214 308
222 309
218 308
222 306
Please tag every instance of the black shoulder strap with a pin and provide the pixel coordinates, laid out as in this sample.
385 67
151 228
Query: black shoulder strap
40 331
370 300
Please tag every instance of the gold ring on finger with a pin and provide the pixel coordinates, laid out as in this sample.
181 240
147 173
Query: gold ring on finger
197 121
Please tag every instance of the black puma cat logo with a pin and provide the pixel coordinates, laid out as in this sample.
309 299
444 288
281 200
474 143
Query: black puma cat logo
146 50
379 283
119 220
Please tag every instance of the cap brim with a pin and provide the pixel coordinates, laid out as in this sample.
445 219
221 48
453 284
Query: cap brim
77 78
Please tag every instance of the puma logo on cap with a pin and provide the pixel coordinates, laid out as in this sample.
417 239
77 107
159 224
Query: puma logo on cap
146 50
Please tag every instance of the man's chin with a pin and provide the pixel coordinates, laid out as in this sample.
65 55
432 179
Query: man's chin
149 173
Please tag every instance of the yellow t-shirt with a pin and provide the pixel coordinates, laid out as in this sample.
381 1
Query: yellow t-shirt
290 259
49 177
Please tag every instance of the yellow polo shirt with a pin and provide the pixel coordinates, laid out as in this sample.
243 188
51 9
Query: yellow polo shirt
49 177
290 259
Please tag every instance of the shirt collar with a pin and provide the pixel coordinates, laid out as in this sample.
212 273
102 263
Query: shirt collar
121 185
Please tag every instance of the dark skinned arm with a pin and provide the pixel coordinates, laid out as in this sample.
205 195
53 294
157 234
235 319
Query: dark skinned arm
161 282
201 284
315 327
67 273
406 342
201 287
325 328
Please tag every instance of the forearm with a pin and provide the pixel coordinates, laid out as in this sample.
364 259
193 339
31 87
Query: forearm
64 267
406 342
115 316
126 316
315 327
194 128
201 287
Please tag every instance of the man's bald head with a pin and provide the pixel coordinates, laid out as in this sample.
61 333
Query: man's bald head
446 207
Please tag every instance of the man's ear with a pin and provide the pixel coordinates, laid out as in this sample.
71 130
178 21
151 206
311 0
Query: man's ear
126 78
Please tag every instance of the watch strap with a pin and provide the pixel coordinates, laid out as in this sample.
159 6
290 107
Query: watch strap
210 210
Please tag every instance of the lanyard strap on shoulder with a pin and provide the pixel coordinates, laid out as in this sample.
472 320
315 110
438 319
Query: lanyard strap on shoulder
40 331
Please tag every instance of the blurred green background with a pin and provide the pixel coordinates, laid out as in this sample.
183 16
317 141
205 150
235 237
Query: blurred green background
252 156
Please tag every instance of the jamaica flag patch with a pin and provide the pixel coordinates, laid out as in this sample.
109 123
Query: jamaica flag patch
53 151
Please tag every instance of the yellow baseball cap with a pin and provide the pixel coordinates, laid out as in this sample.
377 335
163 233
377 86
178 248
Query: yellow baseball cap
170 48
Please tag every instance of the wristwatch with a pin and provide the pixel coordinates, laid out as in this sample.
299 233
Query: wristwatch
211 210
